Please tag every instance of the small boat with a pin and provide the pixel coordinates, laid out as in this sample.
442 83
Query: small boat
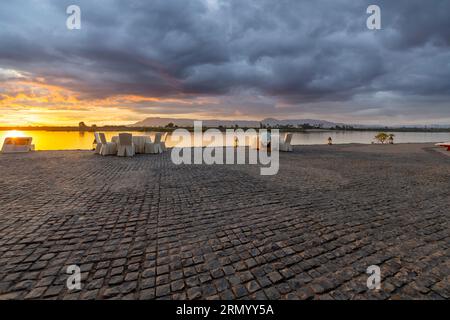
444 144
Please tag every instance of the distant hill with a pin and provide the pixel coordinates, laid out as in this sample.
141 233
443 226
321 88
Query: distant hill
162 122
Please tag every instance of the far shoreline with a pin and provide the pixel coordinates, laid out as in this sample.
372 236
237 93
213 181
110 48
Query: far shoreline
171 129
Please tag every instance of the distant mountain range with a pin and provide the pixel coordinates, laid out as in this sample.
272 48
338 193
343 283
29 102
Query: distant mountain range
161 122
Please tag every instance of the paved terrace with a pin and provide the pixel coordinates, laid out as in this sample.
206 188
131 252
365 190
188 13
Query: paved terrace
143 228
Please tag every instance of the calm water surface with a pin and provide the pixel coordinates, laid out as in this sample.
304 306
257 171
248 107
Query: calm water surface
61 140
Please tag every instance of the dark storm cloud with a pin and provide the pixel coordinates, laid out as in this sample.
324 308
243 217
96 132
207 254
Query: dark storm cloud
299 53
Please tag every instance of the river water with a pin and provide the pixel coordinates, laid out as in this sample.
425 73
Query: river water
70 140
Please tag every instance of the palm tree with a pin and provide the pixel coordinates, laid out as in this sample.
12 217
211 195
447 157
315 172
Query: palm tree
382 137
82 126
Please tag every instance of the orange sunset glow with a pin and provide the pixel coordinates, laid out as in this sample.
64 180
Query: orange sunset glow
36 103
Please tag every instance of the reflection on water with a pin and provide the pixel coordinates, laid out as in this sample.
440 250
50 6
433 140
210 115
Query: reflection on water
13 134
63 140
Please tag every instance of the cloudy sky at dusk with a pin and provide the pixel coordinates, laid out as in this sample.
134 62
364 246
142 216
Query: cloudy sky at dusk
228 59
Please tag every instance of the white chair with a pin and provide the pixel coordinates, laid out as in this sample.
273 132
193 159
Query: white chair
125 147
17 145
286 144
154 147
107 148
163 143
98 143
139 143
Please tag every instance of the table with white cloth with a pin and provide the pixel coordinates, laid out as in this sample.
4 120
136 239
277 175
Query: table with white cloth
138 141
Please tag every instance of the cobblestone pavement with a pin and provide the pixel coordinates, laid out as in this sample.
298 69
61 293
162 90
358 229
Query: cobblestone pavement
143 228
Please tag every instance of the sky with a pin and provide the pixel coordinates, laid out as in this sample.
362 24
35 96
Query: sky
224 59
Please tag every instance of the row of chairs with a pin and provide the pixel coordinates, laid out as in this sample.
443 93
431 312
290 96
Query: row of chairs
127 145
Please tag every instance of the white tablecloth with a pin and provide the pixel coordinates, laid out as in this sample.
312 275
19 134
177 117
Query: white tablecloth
138 141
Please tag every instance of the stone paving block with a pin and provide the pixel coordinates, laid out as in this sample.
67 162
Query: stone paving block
149 229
